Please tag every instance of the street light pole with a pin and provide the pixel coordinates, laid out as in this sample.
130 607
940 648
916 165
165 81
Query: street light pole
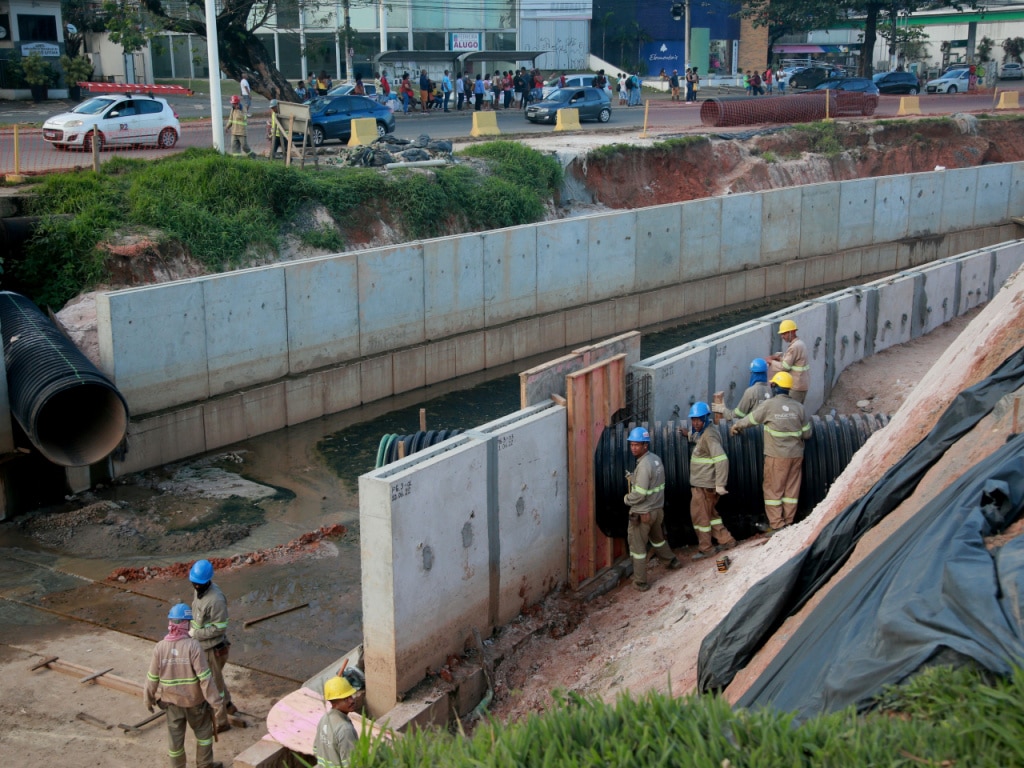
686 35
213 60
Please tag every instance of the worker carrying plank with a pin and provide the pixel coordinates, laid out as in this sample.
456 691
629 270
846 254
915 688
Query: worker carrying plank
210 628
179 682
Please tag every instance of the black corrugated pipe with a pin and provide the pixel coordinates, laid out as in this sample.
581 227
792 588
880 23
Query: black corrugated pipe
826 454
387 450
70 411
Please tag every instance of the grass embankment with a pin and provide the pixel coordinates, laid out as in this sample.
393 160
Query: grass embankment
940 718
226 210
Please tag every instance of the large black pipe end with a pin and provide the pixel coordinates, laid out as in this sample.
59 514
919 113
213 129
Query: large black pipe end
80 425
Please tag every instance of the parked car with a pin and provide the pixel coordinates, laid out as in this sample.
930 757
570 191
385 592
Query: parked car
951 82
346 88
897 82
121 119
853 95
810 77
593 104
1011 70
574 81
330 117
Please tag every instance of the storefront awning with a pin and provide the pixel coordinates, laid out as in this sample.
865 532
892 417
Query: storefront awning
809 48
517 56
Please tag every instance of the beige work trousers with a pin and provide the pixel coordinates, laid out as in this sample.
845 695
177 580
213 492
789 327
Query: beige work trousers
216 661
200 719
707 523
781 490
638 534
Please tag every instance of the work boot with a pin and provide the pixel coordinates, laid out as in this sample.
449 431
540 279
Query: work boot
725 547
231 708
698 555
221 727
641 586
674 564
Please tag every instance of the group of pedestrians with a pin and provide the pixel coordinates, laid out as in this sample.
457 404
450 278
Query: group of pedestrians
773 400
685 87
760 83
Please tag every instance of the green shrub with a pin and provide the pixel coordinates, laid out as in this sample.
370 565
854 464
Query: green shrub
324 237
520 165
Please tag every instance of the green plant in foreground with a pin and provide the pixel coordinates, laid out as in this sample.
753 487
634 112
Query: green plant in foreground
769 157
824 138
324 237
941 717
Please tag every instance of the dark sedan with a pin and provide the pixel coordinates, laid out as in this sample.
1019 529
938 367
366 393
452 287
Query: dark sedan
848 95
592 103
812 76
330 117
897 82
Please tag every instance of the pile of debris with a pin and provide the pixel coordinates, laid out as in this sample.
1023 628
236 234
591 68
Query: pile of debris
390 150
180 570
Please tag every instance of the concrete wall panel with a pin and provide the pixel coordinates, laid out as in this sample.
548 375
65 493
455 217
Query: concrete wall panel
612 255
992 198
376 378
895 305
1016 206
470 353
940 294
856 213
440 361
658 246
892 208
1008 259
152 343
925 214
975 279
246 328
304 398
160 439
702 238
453 285
510 274
323 312
819 219
390 298
677 380
780 225
562 277
741 232
845 345
409 369
342 387
224 421
266 409
731 354
959 190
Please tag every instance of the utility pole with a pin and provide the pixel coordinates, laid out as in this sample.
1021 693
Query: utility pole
213 58
348 49
680 11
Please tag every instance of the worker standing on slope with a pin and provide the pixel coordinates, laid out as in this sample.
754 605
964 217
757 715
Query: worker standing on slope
785 429
180 683
757 391
793 361
646 502
709 474
210 628
336 737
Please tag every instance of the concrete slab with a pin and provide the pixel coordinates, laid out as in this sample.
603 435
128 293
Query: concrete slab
159 439
611 256
959 191
730 358
658 246
470 353
376 378
702 238
895 304
845 341
925 214
1008 258
391 313
409 367
304 398
819 219
856 213
562 277
224 421
265 409
453 285
323 312
741 232
892 208
343 387
677 381
440 361
780 225
510 274
993 194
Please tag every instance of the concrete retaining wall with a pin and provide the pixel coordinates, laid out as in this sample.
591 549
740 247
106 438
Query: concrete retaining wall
260 349
467 533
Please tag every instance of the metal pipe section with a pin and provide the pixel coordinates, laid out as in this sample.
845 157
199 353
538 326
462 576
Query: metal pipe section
69 410
833 442
722 111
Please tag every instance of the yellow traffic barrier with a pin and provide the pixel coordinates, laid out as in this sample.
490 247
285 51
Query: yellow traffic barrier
364 131
567 120
1008 100
485 124
909 105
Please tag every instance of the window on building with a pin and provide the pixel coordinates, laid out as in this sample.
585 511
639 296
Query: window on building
287 13
37 28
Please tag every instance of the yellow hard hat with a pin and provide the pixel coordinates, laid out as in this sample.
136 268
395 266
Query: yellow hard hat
783 379
786 325
338 688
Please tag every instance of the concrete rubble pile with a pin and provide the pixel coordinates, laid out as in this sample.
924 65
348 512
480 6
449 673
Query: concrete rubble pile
387 150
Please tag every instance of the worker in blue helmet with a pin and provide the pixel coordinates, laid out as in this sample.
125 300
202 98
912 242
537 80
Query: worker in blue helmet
180 683
709 474
210 628
646 502
758 390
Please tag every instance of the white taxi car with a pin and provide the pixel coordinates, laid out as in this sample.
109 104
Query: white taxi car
122 119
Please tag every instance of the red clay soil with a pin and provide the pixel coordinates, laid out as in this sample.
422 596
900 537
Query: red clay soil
303 543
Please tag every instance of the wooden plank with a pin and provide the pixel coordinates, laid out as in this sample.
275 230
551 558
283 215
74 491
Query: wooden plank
43 663
540 382
94 675
107 681
266 616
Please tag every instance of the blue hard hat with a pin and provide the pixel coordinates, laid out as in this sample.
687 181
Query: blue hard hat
180 612
699 410
639 435
201 573
758 365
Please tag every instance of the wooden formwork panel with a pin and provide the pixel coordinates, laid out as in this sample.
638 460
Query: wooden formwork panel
593 394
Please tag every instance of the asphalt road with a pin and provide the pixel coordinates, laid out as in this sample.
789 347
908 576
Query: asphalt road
664 118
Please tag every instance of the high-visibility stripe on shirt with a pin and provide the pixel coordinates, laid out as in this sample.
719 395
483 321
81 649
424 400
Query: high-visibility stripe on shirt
712 460
645 492
778 433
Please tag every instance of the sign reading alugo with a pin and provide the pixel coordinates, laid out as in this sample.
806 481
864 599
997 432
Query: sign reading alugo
465 41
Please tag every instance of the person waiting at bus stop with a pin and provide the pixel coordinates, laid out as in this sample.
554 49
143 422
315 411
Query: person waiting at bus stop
646 502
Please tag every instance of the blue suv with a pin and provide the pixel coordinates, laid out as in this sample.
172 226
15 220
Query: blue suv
330 117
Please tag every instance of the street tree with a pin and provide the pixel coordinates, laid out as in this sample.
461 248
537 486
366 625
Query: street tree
80 16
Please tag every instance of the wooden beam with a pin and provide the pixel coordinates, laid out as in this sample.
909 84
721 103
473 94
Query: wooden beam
107 681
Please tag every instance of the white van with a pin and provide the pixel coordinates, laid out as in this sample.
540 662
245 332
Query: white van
574 81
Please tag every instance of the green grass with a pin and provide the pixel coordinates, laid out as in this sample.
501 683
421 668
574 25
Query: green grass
940 718
824 139
227 210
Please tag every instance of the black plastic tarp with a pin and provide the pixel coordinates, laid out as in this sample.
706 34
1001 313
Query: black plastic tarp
875 616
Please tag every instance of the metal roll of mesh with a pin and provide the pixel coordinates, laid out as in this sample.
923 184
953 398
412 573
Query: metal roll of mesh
833 442
393 447
69 410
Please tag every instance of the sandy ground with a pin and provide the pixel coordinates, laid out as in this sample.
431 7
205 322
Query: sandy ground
627 641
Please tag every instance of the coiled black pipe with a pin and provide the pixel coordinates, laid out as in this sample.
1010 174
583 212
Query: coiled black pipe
69 410
833 442
387 451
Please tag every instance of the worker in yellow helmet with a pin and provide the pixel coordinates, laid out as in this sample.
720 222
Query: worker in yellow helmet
793 361
336 737
785 429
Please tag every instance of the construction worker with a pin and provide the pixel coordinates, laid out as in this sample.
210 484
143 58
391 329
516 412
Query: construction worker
336 737
238 128
709 474
785 429
210 628
757 391
180 683
646 501
793 361
275 131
